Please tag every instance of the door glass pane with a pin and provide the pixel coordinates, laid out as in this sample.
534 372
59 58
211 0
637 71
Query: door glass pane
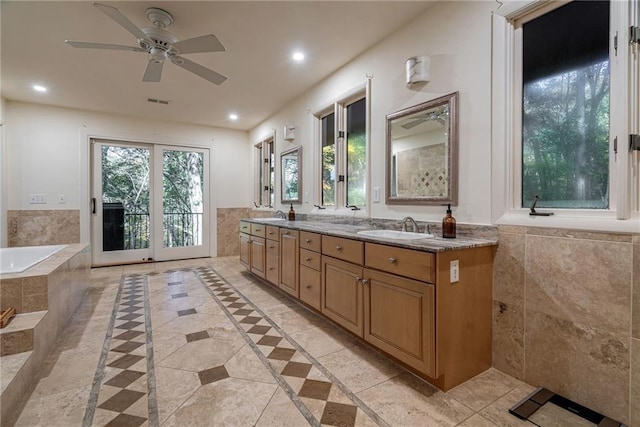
328 160
183 202
565 138
356 153
125 198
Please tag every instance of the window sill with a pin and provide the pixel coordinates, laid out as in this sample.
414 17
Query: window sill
563 220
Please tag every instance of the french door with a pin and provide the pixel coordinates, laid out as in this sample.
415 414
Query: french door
148 202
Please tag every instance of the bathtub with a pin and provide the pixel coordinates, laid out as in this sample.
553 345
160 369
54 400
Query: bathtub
17 260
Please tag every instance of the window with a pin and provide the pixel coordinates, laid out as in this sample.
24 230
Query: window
565 107
564 93
264 173
343 152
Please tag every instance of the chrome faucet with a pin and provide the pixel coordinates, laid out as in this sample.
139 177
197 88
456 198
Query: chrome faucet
280 214
413 222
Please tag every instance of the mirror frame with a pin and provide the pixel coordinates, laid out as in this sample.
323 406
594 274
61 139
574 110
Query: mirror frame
452 149
298 152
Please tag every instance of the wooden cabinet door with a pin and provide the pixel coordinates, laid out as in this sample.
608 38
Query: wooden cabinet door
341 299
399 318
289 261
245 254
273 268
258 256
310 286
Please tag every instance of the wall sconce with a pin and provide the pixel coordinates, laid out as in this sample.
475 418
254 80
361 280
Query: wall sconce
289 133
418 70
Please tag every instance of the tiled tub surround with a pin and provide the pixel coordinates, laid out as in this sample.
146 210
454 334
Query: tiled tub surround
229 349
45 297
43 227
566 315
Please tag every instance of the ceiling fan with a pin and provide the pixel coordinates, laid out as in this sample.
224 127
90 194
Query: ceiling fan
160 44
429 116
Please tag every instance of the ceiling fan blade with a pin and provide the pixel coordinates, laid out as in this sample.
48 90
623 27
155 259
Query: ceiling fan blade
117 16
198 69
207 43
90 45
153 73
413 124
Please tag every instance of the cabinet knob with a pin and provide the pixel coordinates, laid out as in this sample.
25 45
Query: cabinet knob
285 232
307 240
308 287
338 248
358 279
271 247
271 268
307 259
392 260
365 281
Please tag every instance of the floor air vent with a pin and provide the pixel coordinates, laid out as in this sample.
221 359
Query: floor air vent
157 101
543 405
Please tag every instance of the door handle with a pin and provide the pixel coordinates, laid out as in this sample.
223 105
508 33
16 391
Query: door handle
93 204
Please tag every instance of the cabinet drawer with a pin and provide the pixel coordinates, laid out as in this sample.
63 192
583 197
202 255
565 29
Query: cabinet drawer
310 286
310 241
245 227
273 233
344 249
404 262
273 247
310 259
258 230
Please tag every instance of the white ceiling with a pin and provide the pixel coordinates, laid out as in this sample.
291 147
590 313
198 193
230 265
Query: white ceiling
259 37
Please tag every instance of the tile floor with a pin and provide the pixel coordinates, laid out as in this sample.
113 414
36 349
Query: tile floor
201 342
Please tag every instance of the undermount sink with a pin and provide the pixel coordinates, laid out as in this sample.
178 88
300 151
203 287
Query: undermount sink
395 234
269 219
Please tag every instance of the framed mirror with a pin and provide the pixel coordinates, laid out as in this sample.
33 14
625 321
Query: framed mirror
291 173
422 153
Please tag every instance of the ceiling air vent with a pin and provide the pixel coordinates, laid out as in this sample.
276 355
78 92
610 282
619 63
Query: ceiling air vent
157 101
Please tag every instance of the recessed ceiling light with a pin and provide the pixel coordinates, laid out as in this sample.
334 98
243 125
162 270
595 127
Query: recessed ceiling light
298 56
233 116
39 88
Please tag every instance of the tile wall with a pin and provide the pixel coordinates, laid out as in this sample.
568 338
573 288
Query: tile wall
43 227
567 315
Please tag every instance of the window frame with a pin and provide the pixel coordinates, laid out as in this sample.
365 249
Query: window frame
264 172
339 108
507 124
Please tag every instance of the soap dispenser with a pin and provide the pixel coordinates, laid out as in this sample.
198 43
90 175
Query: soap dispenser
292 213
449 225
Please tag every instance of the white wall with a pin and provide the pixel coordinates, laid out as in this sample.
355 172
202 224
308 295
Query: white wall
47 152
457 37
3 180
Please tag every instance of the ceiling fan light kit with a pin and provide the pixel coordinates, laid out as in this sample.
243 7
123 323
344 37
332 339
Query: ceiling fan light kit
160 44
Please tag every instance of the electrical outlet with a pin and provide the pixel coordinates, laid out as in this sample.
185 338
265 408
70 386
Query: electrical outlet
454 271
61 199
376 194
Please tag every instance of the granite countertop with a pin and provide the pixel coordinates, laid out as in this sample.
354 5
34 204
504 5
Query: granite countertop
436 244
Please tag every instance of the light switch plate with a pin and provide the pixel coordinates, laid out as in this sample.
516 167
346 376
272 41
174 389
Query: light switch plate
376 194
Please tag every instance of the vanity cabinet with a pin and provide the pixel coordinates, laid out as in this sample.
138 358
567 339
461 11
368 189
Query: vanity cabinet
399 300
289 246
273 254
310 268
